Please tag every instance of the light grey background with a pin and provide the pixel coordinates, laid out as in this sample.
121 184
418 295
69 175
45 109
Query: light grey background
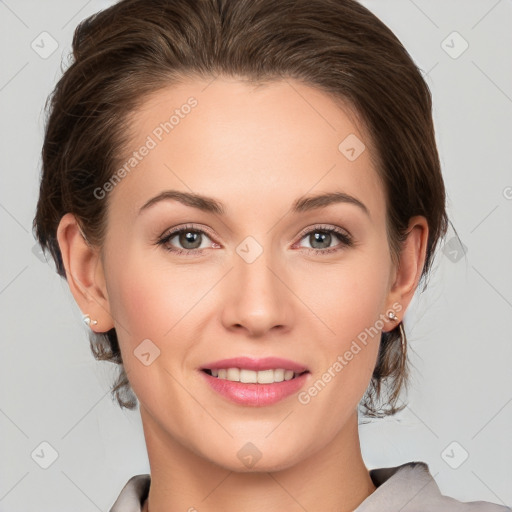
53 391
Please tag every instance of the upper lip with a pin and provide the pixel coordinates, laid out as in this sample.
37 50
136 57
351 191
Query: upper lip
248 363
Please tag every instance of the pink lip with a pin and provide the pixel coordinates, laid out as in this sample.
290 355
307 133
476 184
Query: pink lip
247 363
255 395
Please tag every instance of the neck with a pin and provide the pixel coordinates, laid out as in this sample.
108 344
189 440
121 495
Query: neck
334 479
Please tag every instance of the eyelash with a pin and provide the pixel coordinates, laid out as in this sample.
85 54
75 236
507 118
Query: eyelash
345 238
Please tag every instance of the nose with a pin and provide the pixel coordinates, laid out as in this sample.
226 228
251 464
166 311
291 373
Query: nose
258 300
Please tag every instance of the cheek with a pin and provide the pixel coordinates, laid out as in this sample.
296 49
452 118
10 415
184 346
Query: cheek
151 300
350 297
145 296
140 303
144 308
350 304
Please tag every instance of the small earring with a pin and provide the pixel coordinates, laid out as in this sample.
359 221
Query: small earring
87 320
392 316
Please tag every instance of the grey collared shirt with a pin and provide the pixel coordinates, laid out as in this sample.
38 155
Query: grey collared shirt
406 488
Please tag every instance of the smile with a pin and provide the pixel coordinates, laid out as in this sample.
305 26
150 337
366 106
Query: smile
253 377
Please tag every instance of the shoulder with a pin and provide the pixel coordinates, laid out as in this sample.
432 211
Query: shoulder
411 488
133 494
406 488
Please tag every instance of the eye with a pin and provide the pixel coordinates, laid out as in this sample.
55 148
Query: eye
321 237
189 238
192 240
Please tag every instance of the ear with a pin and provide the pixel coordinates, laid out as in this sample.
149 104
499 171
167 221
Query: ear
409 268
84 273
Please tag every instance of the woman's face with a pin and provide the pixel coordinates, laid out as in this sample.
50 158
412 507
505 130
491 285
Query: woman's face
264 278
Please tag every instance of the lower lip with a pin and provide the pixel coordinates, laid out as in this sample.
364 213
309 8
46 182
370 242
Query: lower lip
255 395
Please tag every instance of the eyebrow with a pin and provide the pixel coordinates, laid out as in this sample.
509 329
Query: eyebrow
211 205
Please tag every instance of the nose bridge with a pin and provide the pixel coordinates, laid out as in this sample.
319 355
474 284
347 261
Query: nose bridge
259 300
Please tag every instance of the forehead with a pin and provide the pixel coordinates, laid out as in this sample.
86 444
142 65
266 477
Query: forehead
246 144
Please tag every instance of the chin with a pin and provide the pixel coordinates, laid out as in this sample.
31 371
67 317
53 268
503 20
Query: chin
261 466
251 459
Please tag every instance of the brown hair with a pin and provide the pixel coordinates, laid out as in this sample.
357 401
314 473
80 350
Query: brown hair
135 48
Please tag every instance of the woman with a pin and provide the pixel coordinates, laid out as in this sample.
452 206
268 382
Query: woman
243 197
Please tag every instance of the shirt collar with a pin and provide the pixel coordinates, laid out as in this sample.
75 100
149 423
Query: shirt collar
397 487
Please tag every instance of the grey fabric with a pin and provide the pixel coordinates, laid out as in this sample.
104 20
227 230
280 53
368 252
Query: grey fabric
411 488
132 495
406 488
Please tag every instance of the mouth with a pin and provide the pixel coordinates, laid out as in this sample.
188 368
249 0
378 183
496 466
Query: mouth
246 376
255 382
255 387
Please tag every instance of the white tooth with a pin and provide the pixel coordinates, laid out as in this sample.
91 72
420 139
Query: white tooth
253 377
279 375
248 376
265 376
233 374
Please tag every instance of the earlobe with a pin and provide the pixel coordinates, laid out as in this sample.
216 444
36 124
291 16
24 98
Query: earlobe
412 260
84 273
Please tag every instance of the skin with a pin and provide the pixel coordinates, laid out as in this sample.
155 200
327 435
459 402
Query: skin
257 150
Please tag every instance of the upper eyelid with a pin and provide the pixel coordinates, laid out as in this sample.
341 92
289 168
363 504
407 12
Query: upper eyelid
174 231
324 227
